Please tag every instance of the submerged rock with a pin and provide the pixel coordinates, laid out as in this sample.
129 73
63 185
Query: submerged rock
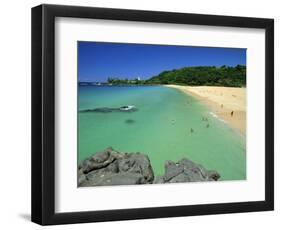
110 167
130 121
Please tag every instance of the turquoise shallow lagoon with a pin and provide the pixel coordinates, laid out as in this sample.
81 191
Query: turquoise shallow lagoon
160 128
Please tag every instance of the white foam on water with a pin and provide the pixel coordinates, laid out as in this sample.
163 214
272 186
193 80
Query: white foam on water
216 116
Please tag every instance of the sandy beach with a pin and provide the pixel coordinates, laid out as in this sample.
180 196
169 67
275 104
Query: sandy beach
223 101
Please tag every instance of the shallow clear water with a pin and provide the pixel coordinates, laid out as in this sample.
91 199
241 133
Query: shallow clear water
160 128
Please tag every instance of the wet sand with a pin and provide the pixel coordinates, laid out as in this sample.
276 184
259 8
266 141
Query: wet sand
228 103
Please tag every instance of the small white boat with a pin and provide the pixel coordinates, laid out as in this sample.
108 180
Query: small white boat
127 107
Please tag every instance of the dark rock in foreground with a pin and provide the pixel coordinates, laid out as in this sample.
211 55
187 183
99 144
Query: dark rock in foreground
110 167
185 171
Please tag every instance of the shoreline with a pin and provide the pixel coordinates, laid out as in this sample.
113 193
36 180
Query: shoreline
222 101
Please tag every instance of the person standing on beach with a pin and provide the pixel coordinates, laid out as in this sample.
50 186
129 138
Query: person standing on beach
232 113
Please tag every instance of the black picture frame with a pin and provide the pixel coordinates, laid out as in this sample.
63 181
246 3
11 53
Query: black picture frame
43 114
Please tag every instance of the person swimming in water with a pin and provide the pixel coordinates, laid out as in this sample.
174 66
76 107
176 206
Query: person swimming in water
204 119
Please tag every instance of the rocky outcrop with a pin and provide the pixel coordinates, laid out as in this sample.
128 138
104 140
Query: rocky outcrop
110 167
185 171
107 110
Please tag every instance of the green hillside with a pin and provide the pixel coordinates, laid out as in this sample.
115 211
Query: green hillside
203 75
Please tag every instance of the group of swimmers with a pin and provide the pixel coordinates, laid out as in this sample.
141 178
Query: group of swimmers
204 119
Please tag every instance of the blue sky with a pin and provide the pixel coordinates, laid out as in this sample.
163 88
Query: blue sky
97 61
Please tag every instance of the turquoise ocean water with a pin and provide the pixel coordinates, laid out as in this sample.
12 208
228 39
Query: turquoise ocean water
160 128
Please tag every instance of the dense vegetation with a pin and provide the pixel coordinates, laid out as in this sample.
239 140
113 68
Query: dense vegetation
203 75
194 76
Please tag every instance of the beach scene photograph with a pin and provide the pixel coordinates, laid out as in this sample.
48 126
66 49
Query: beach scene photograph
159 114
